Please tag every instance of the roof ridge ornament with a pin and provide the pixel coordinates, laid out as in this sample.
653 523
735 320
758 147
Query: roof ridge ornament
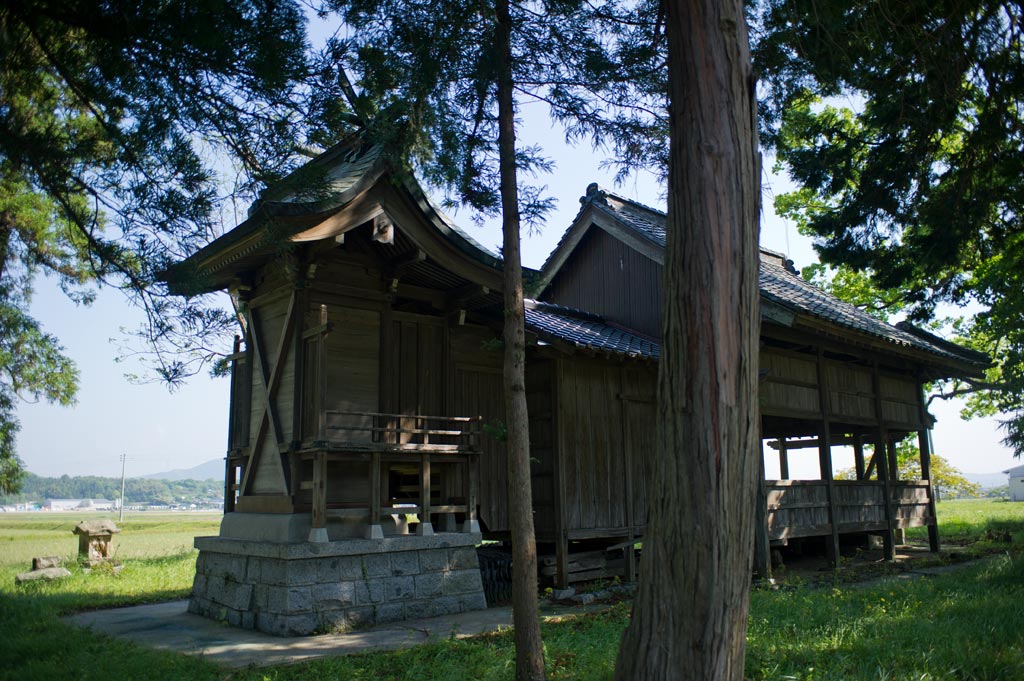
594 193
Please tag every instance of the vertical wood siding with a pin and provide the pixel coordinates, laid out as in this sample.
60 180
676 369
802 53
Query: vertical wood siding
607 277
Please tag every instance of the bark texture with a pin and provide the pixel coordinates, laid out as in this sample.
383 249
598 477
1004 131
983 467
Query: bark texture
690 612
525 615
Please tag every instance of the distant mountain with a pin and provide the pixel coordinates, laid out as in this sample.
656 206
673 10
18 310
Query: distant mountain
211 470
987 480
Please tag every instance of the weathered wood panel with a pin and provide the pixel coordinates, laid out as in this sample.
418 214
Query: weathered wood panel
416 371
353 363
241 403
851 395
593 450
607 277
901 400
267 323
799 508
542 447
638 423
478 392
790 385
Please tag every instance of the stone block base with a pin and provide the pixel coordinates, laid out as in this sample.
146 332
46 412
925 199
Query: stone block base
296 589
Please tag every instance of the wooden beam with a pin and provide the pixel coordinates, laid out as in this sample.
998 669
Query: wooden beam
425 528
269 419
374 530
924 443
858 455
825 456
460 298
783 458
883 468
318 529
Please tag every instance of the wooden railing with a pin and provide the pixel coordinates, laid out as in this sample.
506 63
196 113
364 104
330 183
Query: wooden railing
383 441
799 508
398 431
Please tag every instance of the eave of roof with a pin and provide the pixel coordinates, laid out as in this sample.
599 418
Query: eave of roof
779 282
587 332
351 168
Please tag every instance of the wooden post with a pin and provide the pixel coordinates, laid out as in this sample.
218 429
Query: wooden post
472 525
882 465
783 459
229 484
825 457
762 546
318 530
321 378
425 528
858 454
373 529
924 443
894 470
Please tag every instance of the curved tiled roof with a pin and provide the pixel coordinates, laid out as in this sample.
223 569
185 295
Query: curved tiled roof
780 283
587 331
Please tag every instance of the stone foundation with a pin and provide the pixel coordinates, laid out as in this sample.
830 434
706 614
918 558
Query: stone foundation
296 589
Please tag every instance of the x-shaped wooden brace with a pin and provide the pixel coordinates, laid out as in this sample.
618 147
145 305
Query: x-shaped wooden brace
270 384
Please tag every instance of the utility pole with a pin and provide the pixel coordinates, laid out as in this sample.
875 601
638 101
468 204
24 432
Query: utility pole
120 515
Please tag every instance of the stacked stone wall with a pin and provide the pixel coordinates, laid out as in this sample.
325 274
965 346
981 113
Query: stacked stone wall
301 589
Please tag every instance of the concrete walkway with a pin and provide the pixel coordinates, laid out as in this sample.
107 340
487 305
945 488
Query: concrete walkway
168 626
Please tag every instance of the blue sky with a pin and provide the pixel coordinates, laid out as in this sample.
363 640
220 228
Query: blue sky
160 431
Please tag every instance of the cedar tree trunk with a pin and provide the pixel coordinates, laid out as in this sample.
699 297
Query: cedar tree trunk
525 616
690 612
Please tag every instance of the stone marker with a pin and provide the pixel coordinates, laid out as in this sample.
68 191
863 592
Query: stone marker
94 540
43 562
48 574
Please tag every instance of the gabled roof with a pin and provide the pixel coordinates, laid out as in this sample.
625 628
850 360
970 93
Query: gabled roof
300 208
587 331
781 286
1015 472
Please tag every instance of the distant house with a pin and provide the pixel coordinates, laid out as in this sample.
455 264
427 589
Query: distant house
1016 483
78 505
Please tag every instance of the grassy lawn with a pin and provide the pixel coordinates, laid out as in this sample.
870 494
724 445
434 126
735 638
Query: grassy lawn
965 625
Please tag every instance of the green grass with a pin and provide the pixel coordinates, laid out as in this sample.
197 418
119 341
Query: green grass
965 625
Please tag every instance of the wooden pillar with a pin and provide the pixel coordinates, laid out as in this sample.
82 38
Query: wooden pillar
229 484
561 446
373 528
858 455
472 525
425 528
924 443
825 457
762 546
321 378
894 466
783 459
879 459
318 530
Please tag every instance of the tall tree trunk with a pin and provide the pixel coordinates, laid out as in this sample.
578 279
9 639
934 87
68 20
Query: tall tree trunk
690 612
525 616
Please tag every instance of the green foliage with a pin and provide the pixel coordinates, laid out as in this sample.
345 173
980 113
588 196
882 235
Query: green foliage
945 476
121 125
137 490
901 124
893 630
427 74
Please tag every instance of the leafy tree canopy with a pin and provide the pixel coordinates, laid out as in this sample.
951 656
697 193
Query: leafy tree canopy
902 123
125 129
944 475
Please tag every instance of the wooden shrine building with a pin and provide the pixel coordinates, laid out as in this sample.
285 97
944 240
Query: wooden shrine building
366 401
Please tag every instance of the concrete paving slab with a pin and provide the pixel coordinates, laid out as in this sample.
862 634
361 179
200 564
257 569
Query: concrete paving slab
169 626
